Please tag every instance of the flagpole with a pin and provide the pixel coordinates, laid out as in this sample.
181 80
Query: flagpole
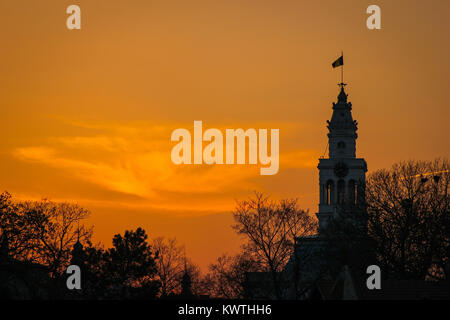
342 70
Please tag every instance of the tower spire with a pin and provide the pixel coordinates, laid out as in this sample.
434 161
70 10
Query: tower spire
342 174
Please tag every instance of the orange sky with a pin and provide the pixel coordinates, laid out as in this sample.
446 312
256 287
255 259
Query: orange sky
86 116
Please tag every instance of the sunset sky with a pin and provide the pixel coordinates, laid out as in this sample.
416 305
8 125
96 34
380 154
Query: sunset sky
86 115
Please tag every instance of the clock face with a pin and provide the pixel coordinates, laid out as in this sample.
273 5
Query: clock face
341 170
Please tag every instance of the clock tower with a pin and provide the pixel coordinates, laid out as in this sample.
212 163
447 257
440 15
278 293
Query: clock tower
341 175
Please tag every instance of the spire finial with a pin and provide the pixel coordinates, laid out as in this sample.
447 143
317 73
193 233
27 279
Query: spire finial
342 97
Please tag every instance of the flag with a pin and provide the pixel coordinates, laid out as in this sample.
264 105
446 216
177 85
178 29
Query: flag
339 62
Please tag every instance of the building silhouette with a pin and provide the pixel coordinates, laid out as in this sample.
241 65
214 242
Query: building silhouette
312 272
342 175
341 184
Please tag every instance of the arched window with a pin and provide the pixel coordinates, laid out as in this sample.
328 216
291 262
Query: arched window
341 145
323 193
329 192
352 191
341 192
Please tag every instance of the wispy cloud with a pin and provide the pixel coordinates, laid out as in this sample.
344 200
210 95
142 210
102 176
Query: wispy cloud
135 159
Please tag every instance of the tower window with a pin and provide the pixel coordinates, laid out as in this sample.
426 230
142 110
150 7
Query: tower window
329 192
341 145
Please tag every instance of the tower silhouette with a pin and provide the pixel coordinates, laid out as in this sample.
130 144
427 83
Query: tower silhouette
342 175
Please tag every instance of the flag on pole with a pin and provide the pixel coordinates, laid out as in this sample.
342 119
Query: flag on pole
339 62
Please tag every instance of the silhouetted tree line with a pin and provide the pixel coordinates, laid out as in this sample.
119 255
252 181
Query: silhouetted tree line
403 226
409 220
48 237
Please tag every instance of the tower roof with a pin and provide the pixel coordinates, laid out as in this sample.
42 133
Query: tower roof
342 116
342 128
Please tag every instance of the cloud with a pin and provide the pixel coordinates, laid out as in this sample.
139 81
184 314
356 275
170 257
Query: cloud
117 178
135 159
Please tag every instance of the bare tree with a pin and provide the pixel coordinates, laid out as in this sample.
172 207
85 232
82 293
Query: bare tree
228 275
42 231
170 263
58 229
271 229
408 211
18 232
199 285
